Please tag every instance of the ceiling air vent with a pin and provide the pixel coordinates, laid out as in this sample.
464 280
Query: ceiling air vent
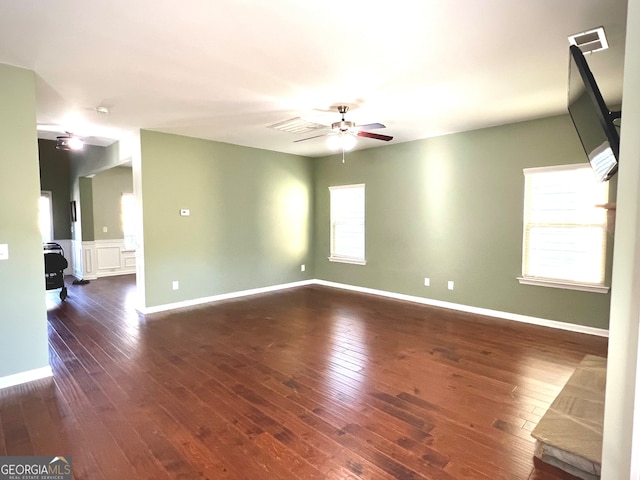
590 41
296 125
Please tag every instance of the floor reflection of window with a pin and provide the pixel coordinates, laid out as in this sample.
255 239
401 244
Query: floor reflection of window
348 355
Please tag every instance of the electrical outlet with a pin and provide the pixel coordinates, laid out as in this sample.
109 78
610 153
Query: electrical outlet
427 281
105 229
175 285
450 284
302 268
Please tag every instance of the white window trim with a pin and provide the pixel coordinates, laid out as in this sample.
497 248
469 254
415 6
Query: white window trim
353 261
551 282
344 259
555 168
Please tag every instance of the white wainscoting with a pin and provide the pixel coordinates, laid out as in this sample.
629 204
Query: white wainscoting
88 261
76 256
104 258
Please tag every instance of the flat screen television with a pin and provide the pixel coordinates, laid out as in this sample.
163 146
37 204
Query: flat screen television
592 118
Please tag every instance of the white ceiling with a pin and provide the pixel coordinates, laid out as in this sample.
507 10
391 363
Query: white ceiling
226 69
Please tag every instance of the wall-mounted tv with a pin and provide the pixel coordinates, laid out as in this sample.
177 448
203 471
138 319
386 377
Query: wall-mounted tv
592 118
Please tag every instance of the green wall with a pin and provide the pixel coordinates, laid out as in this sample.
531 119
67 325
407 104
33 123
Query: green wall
108 187
450 208
55 176
93 159
85 200
23 321
250 222
89 161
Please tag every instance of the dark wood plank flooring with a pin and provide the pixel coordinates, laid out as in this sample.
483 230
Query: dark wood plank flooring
308 383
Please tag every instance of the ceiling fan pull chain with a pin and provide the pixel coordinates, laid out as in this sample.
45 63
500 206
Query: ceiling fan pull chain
342 154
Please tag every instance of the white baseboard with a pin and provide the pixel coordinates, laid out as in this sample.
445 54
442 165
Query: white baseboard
224 296
25 377
572 327
111 274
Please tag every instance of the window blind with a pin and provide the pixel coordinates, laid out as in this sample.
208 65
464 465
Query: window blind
347 223
564 235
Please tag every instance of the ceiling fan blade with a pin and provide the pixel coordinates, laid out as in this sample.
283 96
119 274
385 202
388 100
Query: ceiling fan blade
371 126
377 136
309 138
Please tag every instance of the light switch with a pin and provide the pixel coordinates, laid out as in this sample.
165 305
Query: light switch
4 251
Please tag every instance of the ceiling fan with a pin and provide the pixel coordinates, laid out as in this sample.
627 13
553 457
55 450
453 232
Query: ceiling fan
69 141
66 140
88 135
345 129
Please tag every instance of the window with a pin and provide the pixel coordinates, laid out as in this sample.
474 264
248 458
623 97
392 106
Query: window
45 217
347 224
565 233
127 213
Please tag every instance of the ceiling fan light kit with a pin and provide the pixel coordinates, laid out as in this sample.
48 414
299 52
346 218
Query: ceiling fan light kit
342 141
343 133
69 142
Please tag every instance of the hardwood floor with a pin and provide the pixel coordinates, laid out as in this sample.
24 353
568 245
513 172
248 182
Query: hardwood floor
308 383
